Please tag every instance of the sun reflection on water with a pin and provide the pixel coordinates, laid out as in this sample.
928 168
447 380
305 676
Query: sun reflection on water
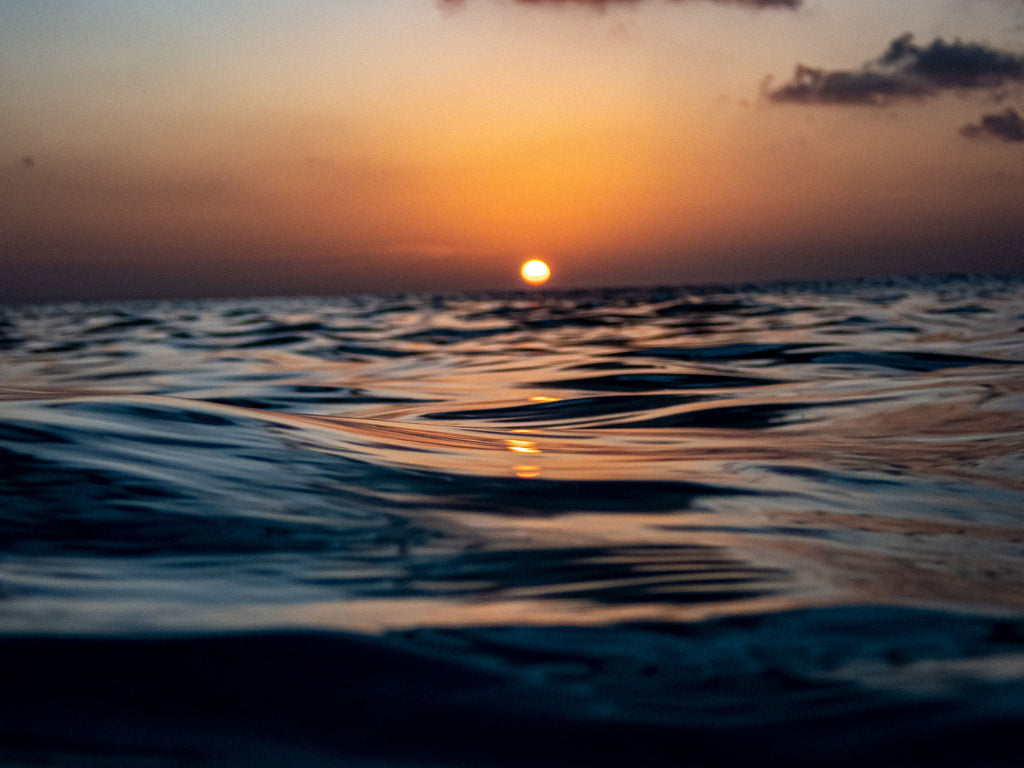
522 446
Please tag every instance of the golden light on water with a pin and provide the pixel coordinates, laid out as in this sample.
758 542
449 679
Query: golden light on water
522 446
535 272
524 471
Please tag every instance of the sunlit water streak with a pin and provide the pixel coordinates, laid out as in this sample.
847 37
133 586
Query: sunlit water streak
696 513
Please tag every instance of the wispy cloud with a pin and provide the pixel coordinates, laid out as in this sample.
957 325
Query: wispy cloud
600 4
905 70
1006 125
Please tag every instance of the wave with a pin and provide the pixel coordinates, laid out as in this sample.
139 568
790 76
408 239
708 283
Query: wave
594 527
835 686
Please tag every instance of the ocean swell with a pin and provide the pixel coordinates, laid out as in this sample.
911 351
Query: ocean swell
743 521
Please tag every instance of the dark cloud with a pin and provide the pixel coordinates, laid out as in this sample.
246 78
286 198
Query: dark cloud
1007 126
905 70
818 86
607 3
953 65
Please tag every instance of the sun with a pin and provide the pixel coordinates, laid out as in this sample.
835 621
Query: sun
535 272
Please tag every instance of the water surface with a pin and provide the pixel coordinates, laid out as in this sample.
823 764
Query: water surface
546 528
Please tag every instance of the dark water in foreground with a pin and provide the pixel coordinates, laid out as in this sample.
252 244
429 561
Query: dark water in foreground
648 527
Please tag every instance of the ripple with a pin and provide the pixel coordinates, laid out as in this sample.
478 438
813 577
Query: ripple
626 575
654 382
573 409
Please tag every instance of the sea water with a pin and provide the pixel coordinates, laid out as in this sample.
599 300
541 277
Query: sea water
679 526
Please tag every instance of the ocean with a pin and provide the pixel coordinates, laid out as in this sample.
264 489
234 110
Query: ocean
735 525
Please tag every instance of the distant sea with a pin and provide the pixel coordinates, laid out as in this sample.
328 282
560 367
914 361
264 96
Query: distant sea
748 525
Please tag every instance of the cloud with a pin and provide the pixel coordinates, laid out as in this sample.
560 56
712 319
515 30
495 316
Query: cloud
1007 126
601 4
818 86
954 65
905 70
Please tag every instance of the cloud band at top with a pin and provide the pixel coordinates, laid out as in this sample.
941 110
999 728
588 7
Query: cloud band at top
606 3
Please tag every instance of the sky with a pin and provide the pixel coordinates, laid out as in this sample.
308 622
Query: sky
192 149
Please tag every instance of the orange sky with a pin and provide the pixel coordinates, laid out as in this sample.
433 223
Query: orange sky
173 149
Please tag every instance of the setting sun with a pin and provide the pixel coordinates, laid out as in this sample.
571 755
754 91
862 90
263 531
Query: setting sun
535 272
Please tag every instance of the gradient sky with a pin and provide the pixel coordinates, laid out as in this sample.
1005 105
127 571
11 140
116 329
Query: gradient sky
177 149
